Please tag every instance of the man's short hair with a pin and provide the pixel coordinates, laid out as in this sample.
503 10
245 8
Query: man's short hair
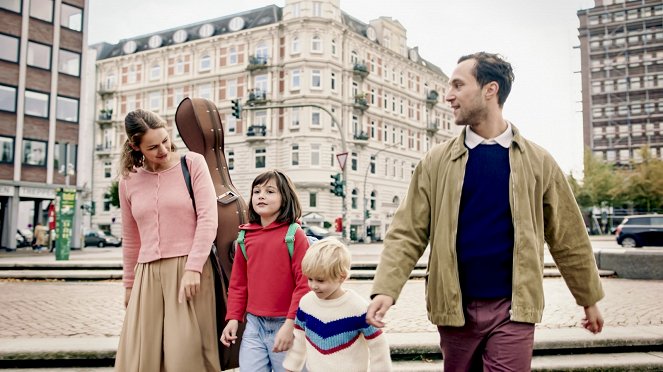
327 259
491 67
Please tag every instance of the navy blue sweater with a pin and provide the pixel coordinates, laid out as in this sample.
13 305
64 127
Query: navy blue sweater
485 229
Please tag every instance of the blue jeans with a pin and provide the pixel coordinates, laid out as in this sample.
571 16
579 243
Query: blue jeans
255 351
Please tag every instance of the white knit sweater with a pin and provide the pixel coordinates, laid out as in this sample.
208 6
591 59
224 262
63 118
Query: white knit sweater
332 335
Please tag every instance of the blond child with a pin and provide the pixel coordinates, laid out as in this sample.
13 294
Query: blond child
331 333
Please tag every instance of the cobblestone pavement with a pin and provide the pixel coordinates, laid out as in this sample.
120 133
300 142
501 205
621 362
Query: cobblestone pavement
94 309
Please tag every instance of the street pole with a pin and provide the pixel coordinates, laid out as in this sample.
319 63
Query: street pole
364 187
344 148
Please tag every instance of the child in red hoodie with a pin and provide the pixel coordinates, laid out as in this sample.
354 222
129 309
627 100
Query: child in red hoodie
267 282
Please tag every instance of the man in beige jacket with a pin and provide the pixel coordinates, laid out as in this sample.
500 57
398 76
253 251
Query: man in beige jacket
486 201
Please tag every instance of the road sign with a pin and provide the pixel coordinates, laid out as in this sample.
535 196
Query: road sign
342 157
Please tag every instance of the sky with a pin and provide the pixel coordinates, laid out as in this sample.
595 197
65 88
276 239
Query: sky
539 39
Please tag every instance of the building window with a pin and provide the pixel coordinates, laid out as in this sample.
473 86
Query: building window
316 44
178 96
34 152
231 159
315 118
372 166
231 124
294 155
353 160
67 109
316 81
333 81
7 98
312 199
232 88
155 101
317 9
8 48
107 202
232 56
294 118
39 55
179 68
108 169
315 154
205 91
373 200
260 156
6 149
333 47
295 80
260 84
354 198
354 58
69 63
294 45
262 53
71 17
372 129
59 157
295 10
13 5
205 63
36 104
42 9
333 156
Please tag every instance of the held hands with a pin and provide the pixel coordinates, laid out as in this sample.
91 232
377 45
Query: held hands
377 310
285 336
229 334
189 286
593 321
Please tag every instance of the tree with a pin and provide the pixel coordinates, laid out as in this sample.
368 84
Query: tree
114 194
600 182
644 185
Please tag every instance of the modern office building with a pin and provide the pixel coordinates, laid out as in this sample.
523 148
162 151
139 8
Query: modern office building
621 44
319 62
41 110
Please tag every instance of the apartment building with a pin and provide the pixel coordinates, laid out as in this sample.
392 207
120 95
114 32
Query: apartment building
41 110
320 66
621 44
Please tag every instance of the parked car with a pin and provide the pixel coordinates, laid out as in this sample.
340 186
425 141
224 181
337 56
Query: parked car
638 231
316 232
101 239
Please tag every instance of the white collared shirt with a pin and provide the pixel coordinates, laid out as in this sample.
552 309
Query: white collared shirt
473 140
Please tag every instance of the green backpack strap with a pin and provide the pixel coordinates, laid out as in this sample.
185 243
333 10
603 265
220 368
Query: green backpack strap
290 237
240 241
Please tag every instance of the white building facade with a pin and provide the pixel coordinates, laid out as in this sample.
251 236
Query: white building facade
310 54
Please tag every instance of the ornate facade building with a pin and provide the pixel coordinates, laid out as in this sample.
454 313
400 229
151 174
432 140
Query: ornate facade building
296 71
621 44
42 108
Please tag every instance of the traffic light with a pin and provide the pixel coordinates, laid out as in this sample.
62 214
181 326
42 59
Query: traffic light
337 185
236 108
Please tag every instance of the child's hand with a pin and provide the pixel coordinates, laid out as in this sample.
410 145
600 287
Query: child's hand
229 333
284 337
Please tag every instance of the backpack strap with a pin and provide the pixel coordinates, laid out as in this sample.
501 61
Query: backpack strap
290 237
240 241
187 179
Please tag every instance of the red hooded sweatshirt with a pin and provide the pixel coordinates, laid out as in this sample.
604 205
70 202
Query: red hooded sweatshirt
271 283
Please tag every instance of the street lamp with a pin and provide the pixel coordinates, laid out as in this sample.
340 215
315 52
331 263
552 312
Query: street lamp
374 155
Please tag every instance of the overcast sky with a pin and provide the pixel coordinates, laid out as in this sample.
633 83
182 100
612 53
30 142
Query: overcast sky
537 37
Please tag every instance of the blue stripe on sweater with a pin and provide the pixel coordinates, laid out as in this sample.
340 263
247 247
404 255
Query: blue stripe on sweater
334 334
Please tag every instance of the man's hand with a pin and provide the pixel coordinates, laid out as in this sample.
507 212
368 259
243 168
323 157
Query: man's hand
189 286
593 321
284 337
127 296
229 334
377 310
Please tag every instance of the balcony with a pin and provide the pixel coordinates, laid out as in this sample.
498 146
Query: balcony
432 98
257 63
360 102
360 138
103 150
257 97
105 116
107 88
360 70
433 127
256 133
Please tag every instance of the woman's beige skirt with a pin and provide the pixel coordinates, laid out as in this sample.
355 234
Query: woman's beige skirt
160 334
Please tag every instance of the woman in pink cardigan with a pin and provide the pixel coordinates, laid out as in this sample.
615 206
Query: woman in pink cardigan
170 321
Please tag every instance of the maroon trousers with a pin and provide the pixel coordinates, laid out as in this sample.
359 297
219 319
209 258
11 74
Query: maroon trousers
489 340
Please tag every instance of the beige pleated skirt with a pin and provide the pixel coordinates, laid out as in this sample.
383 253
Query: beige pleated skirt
162 335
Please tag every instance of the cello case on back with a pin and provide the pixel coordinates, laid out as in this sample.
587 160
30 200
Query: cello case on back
201 129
